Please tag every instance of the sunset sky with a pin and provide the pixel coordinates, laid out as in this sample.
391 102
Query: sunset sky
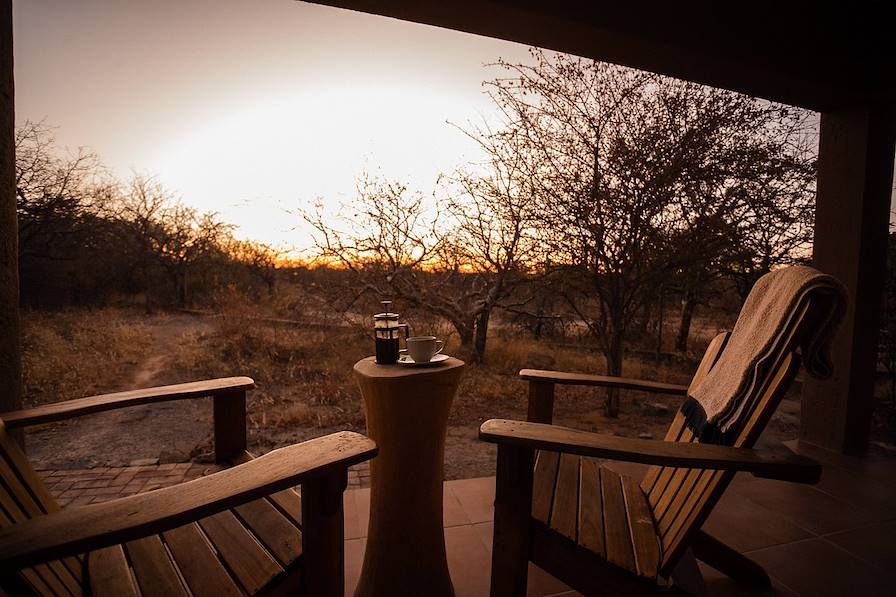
252 107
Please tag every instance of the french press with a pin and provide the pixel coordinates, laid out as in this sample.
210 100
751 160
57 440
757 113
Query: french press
387 331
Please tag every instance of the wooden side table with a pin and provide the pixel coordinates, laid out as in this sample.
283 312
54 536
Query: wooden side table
407 416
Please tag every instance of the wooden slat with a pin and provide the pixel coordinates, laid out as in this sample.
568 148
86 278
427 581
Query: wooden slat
110 575
694 481
545 477
541 402
585 379
252 566
564 513
537 436
617 535
276 531
36 581
705 495
153 569
646 545
659 489
20 505
591 519
84 406
199 564
289 502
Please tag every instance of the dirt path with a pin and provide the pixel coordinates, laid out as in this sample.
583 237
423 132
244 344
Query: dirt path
168 431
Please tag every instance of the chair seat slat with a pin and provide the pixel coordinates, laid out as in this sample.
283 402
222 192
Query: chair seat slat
276 531
155 572
198 563
249 562
110 575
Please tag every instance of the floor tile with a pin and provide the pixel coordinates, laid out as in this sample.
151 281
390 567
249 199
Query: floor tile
541 583
468 561
803 505
452 512
865 492
486 531
720 585
476 496
818 568
745 525
354 558
874 543
356 507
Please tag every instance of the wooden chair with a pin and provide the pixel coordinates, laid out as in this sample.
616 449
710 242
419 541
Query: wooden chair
240 531
604 533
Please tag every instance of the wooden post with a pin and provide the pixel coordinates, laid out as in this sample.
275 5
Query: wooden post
323 572
230 426
10 356
541 402
855 178
513 511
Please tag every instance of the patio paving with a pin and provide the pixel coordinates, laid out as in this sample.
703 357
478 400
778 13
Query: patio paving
832 539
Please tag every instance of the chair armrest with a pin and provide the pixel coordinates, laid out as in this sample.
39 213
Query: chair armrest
68 409
78 530
762 463
585 379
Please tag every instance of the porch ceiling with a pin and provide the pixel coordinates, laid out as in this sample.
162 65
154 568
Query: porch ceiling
816 55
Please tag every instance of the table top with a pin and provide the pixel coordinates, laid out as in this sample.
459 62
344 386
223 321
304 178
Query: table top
368 367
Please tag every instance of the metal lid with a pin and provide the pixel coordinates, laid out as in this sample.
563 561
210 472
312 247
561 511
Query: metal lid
386 316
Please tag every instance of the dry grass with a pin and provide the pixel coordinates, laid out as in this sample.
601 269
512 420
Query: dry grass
304 374
79 353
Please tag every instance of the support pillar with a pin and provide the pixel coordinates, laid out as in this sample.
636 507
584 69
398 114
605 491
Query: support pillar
10 357
855 183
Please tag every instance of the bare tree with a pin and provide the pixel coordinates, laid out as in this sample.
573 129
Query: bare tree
262 260
629 166
53 193
170 235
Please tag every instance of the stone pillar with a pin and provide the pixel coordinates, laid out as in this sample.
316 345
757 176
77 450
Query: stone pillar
855 181
10 357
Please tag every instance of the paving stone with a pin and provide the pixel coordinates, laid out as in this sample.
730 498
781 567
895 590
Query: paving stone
144 462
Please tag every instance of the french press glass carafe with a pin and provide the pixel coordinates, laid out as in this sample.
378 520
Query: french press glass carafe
387 332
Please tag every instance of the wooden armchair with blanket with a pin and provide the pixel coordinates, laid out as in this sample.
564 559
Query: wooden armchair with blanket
608 534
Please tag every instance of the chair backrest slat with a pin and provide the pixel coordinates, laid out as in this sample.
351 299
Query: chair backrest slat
682 498
657 478
23 496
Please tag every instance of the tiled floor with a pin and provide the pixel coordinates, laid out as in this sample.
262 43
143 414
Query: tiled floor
835 538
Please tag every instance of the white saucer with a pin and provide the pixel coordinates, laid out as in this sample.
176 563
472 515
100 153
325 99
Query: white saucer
409 362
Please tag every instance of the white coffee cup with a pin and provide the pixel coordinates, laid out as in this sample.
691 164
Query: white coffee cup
423 348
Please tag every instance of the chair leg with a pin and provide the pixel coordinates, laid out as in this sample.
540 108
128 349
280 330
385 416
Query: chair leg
729 561
687 575
323 571
513 512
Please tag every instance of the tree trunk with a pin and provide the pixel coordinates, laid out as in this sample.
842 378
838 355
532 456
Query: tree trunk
614 369
481 334
466 335
180 284
688 306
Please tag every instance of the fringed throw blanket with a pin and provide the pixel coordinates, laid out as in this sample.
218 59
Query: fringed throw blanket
769 316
